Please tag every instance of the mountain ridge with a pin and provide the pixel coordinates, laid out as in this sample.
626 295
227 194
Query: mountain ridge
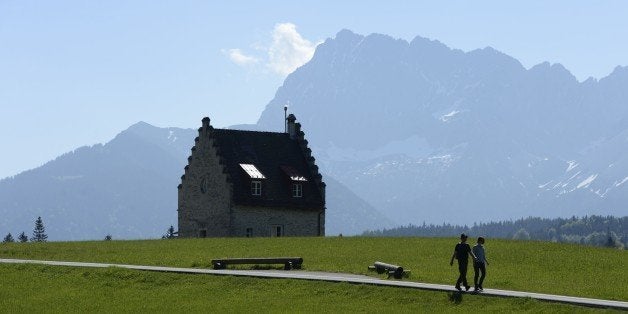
487 131
419 130
127 188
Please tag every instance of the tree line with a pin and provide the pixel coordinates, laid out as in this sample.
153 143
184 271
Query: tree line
594 230
39 234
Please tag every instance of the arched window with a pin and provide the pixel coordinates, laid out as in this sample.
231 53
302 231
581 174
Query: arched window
204 185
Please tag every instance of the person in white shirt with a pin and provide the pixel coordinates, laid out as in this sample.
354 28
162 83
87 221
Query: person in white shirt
479 265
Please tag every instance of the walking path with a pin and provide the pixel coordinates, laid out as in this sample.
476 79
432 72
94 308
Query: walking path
337 277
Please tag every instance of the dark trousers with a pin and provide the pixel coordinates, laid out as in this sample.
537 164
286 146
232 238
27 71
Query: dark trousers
462 267
477 268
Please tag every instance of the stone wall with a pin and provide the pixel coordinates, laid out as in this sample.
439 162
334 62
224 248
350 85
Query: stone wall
261 219
198 209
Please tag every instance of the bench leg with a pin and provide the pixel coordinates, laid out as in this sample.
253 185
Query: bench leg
398 274
219 266
287 266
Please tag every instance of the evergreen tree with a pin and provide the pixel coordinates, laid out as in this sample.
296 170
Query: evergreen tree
610 242
170 234
22 237
39 233
8 238
522 234
588 230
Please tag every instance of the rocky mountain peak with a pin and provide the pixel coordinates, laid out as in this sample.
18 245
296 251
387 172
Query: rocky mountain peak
483 132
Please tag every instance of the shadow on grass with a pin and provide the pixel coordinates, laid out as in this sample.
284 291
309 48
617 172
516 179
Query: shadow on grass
455 297
265 267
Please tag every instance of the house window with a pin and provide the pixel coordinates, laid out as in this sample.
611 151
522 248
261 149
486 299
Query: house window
256 187
297 190
249 232
276 231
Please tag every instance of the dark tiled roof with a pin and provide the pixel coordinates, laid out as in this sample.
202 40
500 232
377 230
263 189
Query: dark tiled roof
268 151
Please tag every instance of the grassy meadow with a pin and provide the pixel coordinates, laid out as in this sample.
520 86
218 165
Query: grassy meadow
531 266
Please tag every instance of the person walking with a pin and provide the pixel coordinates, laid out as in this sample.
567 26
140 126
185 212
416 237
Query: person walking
461 253
479 266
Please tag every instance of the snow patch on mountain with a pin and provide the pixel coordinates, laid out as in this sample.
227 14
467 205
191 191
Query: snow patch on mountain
447 117
445 160
571 165
621 182
542 186
171 136
587 181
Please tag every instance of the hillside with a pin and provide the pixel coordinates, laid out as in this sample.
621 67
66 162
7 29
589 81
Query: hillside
127 188
406 132
57 289
557 268
425 132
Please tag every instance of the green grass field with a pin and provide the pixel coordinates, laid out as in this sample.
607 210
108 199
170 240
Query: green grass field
530 266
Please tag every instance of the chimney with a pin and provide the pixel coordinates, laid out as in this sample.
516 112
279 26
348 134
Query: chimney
205 123
285 119
292 128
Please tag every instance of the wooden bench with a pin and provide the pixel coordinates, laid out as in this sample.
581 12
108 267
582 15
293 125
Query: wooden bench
393 270
288 262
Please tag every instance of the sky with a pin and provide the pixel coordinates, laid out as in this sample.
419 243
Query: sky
76 73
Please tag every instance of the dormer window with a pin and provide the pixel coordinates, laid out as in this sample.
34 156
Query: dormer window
256 188
297 190
293 174
256 177
296 179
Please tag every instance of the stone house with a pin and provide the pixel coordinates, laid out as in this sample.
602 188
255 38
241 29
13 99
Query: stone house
251 184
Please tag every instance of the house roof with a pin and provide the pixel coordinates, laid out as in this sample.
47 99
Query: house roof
274 159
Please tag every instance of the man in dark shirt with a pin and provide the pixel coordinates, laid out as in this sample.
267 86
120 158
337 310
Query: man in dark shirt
461 253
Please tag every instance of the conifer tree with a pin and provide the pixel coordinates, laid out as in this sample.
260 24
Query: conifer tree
39 233
22 237
610 241
8 238
170 234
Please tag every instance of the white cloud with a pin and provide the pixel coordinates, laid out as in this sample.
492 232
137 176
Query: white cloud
288 50
239 58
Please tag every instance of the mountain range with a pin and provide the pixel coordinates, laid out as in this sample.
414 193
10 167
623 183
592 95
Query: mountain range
404 132
127 188
429 133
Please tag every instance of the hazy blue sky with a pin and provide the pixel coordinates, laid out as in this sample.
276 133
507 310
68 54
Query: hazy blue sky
76 73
